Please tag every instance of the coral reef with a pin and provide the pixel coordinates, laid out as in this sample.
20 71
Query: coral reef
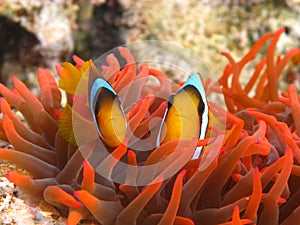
248 172
34 33
51 22
209 27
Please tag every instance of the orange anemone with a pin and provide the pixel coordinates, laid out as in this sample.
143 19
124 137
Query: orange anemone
249 175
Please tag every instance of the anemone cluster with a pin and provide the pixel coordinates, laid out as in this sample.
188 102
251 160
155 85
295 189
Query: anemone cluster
248 173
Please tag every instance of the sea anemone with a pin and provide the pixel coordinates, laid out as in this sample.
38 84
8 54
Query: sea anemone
248 172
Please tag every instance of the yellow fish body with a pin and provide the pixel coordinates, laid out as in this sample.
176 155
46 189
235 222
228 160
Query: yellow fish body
107 113
187 115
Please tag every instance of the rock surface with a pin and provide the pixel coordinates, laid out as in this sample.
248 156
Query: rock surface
34 33
210 27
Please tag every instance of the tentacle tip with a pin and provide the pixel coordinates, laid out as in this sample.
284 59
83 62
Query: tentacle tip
40 70
78 205
281 200
223 53
58 67
247 221
13 176
121 48
74 57
283 29
57 112
13 78
85 163
79 61
9 176
183 172
131 154
78 194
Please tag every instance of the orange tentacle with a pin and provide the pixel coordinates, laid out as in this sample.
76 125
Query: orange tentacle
170 213
295 107
271 72
130 213
252 207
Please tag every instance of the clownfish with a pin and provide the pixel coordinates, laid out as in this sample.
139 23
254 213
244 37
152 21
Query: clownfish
187 114
107 112
186 117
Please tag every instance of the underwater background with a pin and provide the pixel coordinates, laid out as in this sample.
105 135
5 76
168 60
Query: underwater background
42 34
